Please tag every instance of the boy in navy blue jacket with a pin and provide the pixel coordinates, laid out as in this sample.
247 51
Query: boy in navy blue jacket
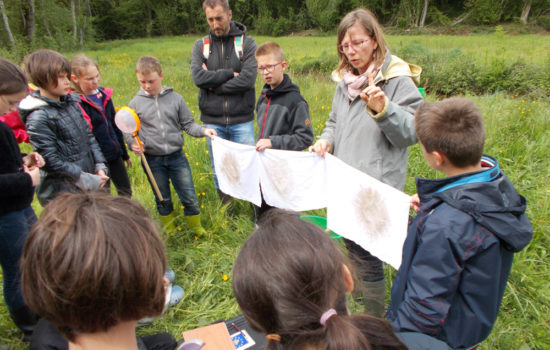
459 249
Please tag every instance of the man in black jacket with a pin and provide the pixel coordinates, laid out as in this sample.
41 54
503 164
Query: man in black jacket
223 66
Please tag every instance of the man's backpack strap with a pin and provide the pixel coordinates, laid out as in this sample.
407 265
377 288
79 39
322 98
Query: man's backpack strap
238 42
206 47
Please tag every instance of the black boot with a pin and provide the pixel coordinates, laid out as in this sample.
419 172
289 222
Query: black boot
25 320
227 201
225 198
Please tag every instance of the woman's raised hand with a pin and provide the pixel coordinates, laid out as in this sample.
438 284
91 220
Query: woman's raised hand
374 97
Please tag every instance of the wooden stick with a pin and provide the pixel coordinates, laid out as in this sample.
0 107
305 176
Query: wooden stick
151 177
147 169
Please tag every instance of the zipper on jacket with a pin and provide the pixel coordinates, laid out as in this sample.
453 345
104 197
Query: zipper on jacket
114 142
161 124
225 102
265 115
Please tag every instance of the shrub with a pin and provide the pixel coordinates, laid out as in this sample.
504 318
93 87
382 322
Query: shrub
484 11
264 25
282 26
455 73
435 16
324 63
544 21
324 13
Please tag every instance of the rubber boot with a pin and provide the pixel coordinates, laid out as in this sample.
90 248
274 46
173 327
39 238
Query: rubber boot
373 297
194 223
25 320
168 222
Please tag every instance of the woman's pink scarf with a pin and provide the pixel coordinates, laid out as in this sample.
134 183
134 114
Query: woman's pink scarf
356 83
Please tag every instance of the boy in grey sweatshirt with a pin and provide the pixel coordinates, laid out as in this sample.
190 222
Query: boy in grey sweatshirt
163 115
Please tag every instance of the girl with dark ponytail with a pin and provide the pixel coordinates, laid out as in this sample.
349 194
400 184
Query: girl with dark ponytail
290 280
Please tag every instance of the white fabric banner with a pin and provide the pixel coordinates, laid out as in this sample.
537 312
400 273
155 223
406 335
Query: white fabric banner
237 169
370 213
293 180
359 207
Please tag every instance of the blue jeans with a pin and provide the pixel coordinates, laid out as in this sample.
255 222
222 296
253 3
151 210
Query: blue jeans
240 133
173 167
14 229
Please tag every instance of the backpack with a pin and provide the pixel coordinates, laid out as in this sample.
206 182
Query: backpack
238 44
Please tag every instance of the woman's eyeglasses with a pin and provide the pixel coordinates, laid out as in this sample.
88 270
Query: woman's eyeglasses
354 44
268 68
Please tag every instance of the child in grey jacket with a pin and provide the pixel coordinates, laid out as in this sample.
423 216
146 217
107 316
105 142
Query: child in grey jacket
163 115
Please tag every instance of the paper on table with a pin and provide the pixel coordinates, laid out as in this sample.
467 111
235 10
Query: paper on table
293 180
370 213
237 169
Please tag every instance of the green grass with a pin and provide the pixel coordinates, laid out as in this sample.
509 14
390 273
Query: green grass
518 134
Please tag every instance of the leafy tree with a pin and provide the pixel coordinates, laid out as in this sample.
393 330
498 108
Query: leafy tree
323 13
485 11
6 23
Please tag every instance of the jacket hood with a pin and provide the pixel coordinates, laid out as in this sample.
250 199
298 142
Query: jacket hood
36 101
165 90
235 29
394 66
107 91
495 204
283 88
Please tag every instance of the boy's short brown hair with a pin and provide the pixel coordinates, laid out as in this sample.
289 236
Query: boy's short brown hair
270 48
453 127
92 261
148 64
44 66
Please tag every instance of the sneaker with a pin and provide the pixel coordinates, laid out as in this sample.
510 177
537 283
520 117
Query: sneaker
146 321
170 275
175 297
174 294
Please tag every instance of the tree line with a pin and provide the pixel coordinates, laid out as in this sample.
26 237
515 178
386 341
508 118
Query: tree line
66 24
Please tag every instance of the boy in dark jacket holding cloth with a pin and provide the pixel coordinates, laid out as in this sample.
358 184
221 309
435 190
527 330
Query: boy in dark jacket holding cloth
459 249
282 112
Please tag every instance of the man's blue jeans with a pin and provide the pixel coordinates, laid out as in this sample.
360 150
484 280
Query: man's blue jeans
14 229
175 168
240 133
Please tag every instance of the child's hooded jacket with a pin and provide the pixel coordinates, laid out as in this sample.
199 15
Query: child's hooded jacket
162 118
283 117
16 190
457 256
59 133
108 136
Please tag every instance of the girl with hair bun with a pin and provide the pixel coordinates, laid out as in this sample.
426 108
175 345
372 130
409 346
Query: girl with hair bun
290 280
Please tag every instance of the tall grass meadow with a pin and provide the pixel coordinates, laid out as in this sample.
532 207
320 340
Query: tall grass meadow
518 134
